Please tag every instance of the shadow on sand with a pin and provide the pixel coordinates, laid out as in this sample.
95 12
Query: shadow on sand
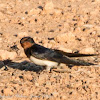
24 65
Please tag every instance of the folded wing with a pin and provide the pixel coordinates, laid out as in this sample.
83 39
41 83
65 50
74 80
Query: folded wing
75 54
41 52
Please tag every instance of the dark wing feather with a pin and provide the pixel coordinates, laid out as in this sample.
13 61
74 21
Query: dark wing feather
75 54
41 52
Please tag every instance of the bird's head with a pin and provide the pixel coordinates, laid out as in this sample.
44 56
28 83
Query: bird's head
27 42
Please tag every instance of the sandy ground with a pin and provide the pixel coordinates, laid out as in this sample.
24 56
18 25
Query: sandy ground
68 25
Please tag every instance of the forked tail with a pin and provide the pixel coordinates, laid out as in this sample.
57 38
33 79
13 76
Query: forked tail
68 61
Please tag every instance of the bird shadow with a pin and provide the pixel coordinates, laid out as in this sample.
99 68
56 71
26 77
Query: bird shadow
24 65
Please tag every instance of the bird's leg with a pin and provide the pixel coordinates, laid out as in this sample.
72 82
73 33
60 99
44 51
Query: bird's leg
49 68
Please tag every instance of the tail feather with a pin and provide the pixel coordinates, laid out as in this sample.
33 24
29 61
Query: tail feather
69 61
75 54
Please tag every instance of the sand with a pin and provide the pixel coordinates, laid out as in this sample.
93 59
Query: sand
68 25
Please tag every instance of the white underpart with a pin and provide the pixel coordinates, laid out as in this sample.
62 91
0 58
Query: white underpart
48 64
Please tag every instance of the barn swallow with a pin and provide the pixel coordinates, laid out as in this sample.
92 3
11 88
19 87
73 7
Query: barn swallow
43 56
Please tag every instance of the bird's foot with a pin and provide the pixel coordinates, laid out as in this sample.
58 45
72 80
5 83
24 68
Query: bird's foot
49 69
61 70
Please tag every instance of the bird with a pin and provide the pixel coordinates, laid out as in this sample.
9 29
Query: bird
50 58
